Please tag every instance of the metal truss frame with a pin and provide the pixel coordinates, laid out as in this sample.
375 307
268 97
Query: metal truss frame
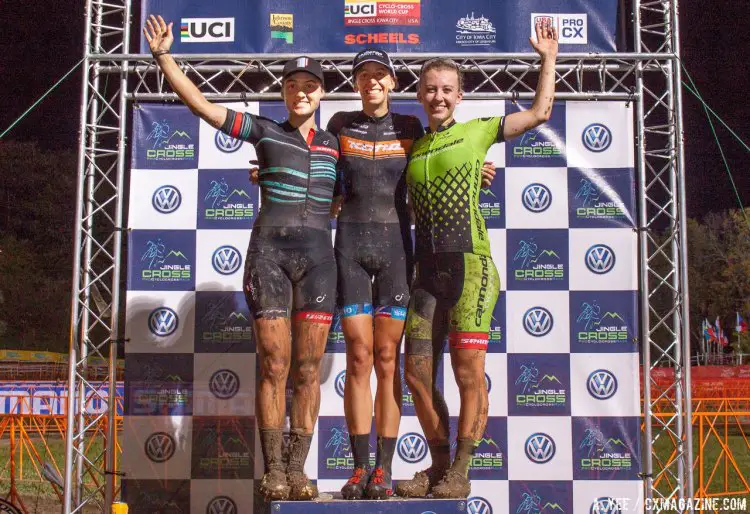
650 77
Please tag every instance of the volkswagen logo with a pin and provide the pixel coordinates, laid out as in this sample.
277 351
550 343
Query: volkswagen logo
166 199
340 382
160 447
412 447
597 137
540 448
605 505
163 322
222 505
600 259
602 384
226 143
538 321
488 382
224 384
226 260
478 505
536 197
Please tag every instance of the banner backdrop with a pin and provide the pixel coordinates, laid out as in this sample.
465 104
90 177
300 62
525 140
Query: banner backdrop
49 398
339 26
562 366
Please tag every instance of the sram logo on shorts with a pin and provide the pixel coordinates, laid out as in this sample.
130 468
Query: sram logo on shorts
572 29
206 30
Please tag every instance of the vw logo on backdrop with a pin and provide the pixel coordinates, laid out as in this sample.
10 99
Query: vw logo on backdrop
536 197
340 383
602 384
538 321
226 143
597 137
222 505
160 447
478 505
488 382
163 321
540 448
412 447
224 384
166 199
226 260
600 259
605 505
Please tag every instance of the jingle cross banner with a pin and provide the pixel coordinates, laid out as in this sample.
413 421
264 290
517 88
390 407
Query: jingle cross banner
348 26
562 365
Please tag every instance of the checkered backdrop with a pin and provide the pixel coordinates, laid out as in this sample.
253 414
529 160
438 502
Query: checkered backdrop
562 365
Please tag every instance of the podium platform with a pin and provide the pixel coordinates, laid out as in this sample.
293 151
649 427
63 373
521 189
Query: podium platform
333 504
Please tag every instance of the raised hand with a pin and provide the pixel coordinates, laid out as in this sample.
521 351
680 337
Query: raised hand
158 34
546 39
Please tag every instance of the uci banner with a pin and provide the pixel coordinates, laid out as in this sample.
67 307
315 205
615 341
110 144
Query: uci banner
563 433
348 26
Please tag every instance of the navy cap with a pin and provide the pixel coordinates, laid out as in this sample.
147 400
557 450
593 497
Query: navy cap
372 55
303 63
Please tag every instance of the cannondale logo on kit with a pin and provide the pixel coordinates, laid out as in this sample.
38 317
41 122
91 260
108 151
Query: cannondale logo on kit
222 505
597 137
540 448
224 384
166 199
340 383
605 505
227 143
600 259
536 197
226 260
602 384
160 447
163 321
478 505
538 321
412 447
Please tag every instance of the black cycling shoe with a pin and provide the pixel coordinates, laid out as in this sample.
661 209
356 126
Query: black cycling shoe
354 488
380 485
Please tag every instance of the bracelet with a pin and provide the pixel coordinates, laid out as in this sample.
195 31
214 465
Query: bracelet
159 52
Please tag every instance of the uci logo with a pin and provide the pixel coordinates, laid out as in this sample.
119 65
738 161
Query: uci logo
478 505
227 143
600 259
605 505
226 260
602 384
166 199
222 505
224 384
412 447
538 321
340 383
597 137
163 321
160 447
536 197
540 448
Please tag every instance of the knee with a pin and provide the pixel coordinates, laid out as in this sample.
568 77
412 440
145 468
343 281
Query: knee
359 360
385 363
468 377
417 381
307 373
274 368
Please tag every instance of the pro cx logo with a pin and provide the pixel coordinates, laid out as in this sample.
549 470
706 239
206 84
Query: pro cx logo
536 197
226 260
226 143
160 447
597 137
538 321
600 259
166 199
412 447
224 384
602 384
163 321
540 448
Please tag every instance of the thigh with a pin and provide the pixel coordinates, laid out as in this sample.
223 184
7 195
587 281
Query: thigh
267 287
471 314
354 285
391 283
315 292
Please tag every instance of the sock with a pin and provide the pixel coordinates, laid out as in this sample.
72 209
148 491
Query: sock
440 451
270 444
299 446
384 456
360 444
464 451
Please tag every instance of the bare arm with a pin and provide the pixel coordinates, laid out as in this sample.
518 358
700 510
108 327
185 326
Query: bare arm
160 39
546 46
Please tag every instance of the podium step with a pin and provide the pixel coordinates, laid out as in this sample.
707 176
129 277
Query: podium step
333 504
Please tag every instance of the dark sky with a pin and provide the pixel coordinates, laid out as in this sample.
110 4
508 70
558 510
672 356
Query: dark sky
41 40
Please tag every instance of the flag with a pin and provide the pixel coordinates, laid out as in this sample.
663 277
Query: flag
741 324
708 332
723 339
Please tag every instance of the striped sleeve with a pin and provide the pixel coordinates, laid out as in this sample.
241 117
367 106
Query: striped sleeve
242 125
334 127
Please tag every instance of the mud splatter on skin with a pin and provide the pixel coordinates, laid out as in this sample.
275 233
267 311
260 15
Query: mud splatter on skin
274 349
309 345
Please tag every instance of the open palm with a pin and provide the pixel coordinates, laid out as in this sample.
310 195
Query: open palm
158 33
546 39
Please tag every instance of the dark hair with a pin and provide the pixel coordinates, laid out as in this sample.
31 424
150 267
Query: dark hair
441 63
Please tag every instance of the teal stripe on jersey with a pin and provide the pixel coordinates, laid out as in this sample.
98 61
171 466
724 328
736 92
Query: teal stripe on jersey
286 193
323 174
246 126
281 169
272 198
319 199
283 186
275 141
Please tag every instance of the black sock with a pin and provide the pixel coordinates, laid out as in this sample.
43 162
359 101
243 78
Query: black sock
440 451
464 451
299 446
360 444
384 456
270 445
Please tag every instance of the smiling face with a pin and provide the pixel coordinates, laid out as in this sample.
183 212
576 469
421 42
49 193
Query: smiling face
302 93
439 93
373 82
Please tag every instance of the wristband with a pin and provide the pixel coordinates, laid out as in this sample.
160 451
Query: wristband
159 52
